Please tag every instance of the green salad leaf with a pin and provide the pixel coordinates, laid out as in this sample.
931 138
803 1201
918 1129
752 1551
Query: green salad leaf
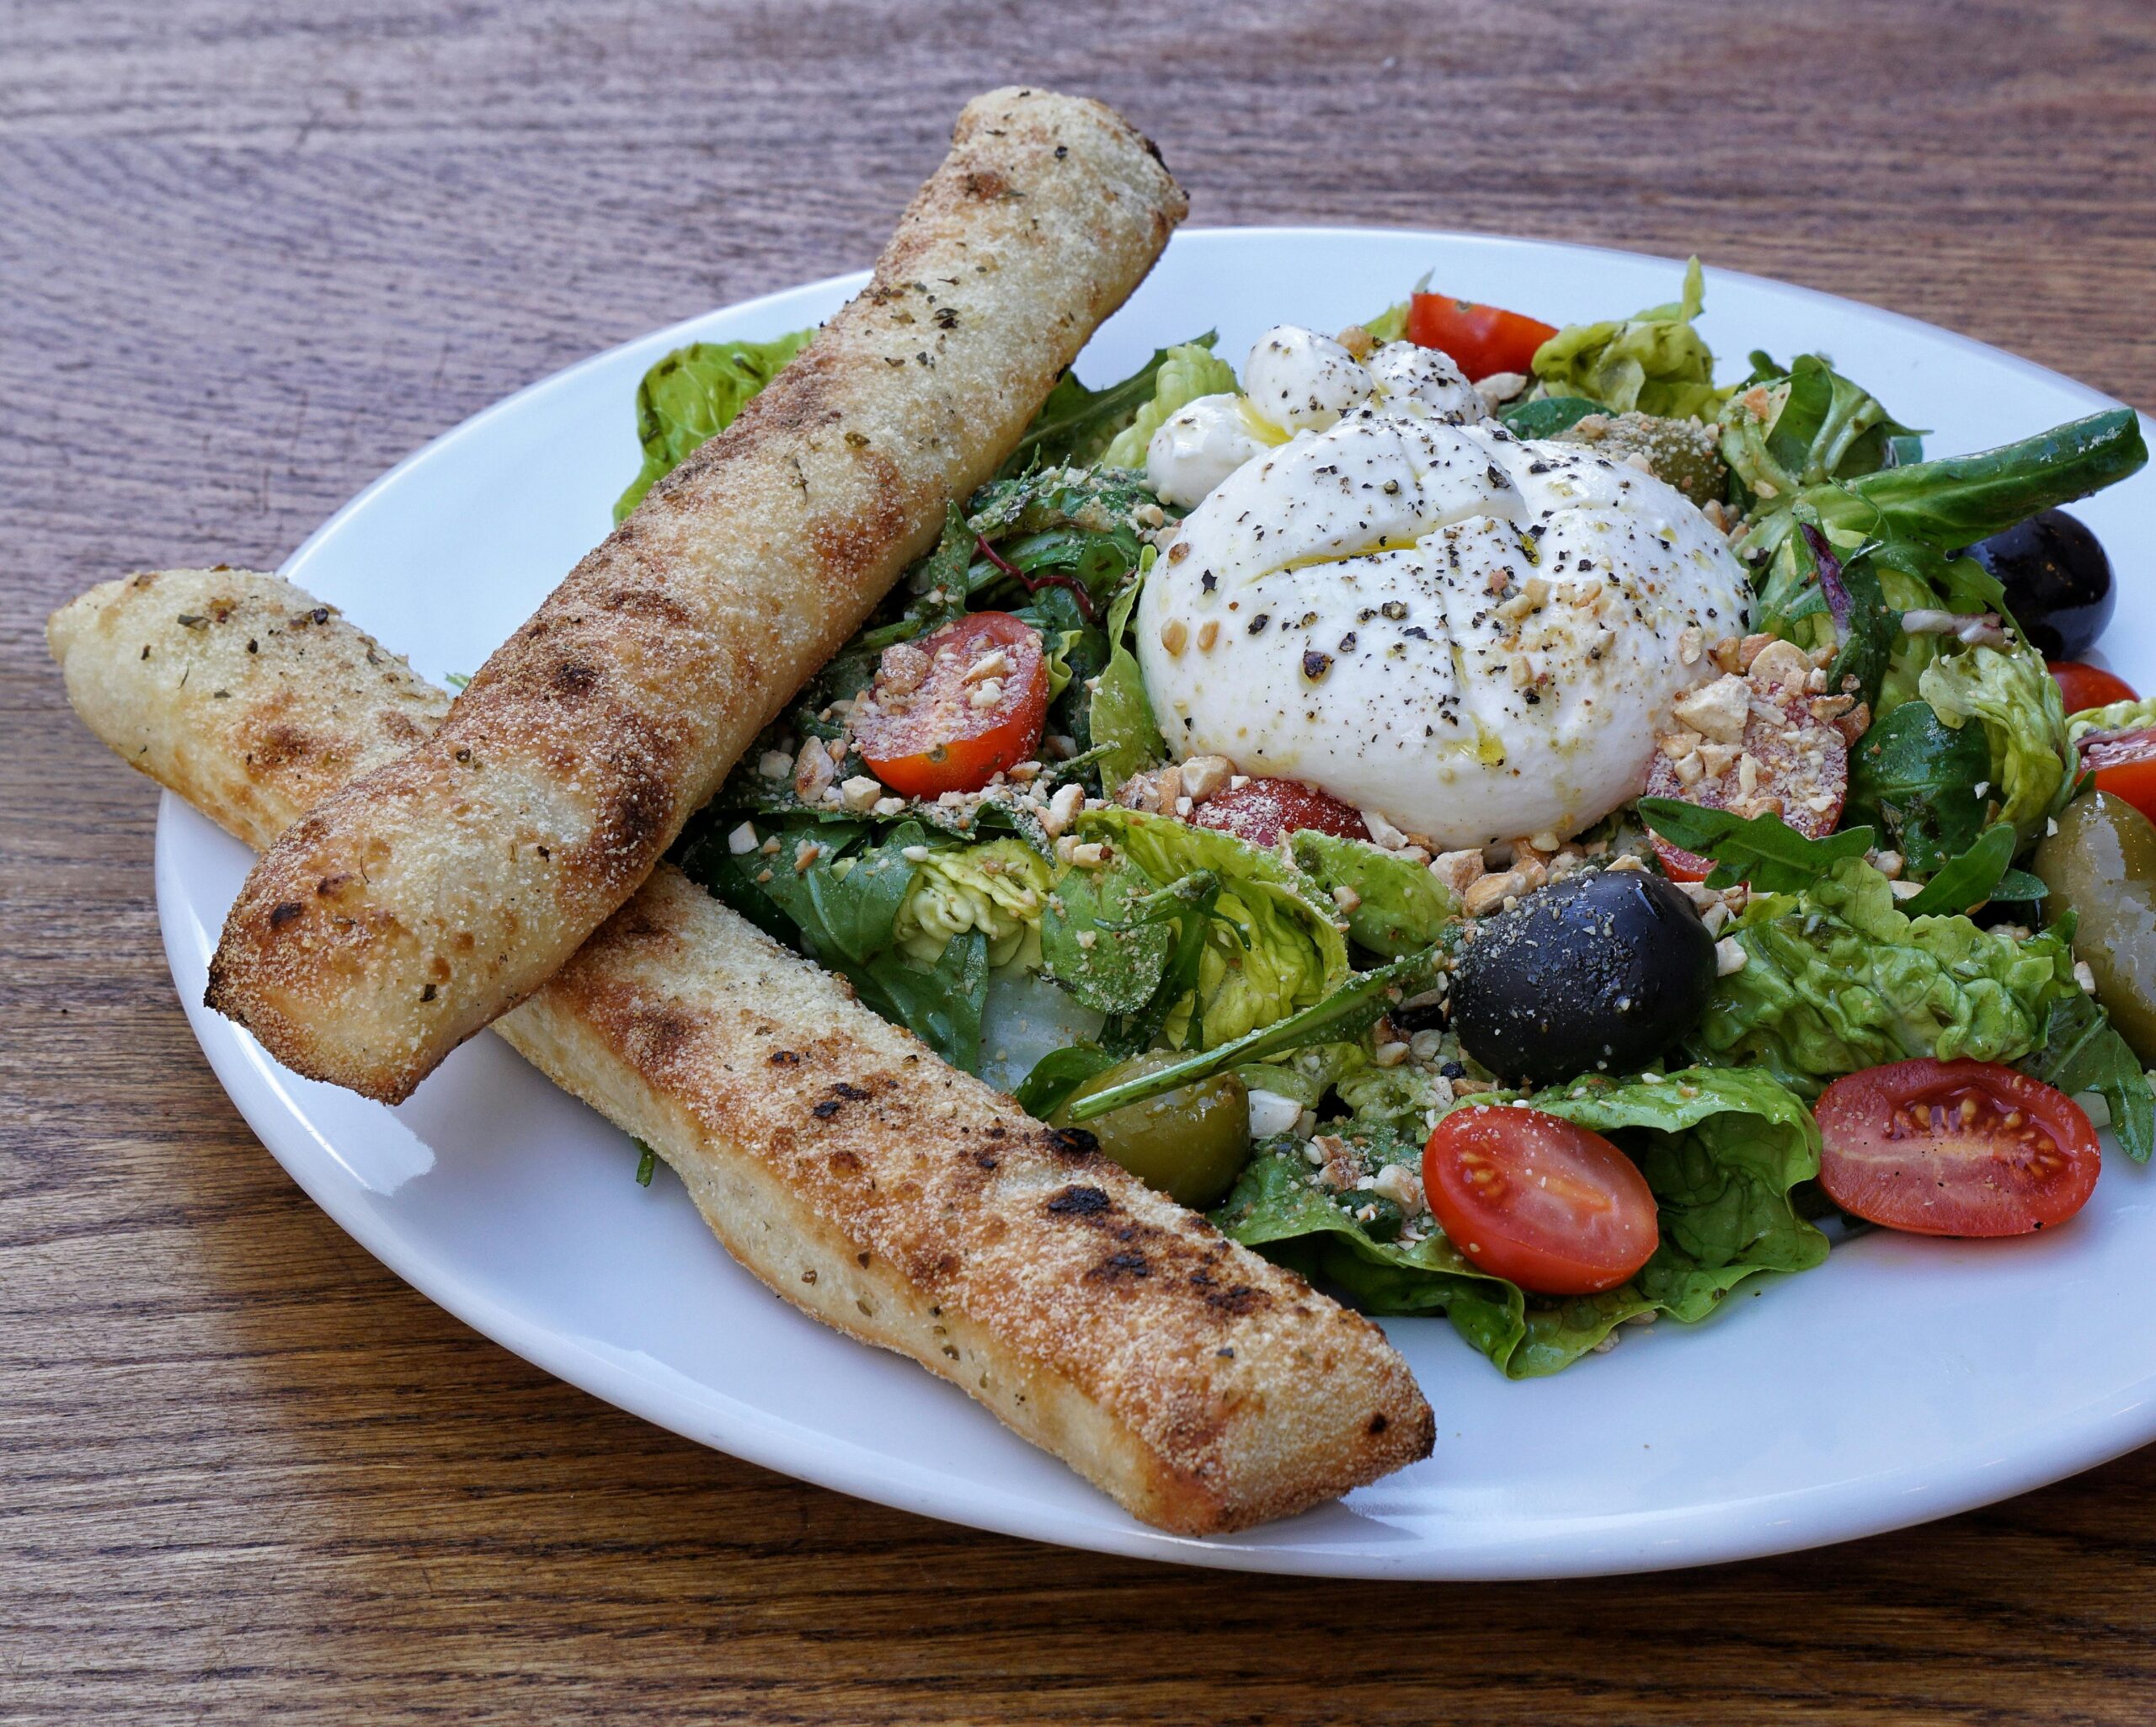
1722 1150
1347 1012
1837 977
2015 699
1184 373
1982 873
1915 777
1654 361
1396 906
1955 501
2118 716
1546 416
1762 850
1077 425
1087 948
1803 428
693 395
2083 1052
1272 948
1119 719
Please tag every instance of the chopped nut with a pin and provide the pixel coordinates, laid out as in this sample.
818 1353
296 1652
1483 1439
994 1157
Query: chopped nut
1346 898
1174 635
1359 342
741 840
986 694
1690 770
1490 894
1718 710
1399 1184
814 770
1389 1055
1724 653
1090 855
2085 977
1209 633
1716 757
1779 662
1905 890
888 806
861 793
1458 869
1204 774
1749 649
774 764
1062 808
1888 863
1679 744
1689 644
1748 774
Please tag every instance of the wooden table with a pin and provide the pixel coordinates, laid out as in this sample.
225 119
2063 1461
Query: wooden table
252 254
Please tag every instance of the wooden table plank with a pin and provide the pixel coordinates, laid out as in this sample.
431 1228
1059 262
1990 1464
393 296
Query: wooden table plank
251 254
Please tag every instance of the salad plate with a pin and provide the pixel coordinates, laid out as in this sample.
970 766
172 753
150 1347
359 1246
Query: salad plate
1904 1379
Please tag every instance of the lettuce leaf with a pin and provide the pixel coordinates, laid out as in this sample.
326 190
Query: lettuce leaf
1654 361
1837 978
1119 717
2017 701
1399 907
693 395
1722 1150
1186 371
1077 425
1272 947
1803 428
2118 717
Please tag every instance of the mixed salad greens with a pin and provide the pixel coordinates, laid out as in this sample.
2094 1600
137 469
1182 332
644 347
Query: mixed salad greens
1877 972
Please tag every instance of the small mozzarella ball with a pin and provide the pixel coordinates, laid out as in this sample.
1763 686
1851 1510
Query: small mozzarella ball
1303 382
1199 445
1414 379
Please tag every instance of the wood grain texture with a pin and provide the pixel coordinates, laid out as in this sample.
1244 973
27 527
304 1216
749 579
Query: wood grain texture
251 254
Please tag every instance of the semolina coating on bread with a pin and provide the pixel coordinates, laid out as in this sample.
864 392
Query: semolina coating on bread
860 1177
468 871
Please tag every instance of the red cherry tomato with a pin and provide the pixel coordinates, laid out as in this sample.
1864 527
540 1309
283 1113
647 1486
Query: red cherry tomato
924 729
1802 761
1960 1148
1261 811
1530 1197
2124 764
2089 685
1482 340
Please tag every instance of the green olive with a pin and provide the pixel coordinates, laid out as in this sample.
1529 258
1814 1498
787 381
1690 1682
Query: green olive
1190 1143
2101 865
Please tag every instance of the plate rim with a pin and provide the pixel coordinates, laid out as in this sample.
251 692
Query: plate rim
1604 1545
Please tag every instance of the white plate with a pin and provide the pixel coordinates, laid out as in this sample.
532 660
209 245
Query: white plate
1903 1380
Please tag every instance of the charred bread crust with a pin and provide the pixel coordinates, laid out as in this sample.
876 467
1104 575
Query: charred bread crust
861 1178
483 858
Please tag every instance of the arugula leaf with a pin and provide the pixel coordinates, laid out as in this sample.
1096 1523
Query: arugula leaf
1076 424
647 1161
2083 1052
1348 1012
693 395
1971 879
1916 776
1762 850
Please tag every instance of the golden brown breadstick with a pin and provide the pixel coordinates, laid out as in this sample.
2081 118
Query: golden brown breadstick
436 892
867 1182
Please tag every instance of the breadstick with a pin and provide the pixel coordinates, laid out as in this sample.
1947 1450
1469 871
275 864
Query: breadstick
439 890
905 1203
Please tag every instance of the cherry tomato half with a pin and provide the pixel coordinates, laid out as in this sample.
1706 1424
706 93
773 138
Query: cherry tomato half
1960 1148
1802 763
2124 764
1530 1197
2089 685
1261 811
952 710
1482 340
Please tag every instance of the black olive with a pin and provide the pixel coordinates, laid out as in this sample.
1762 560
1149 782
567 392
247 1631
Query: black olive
2058 581
1599 974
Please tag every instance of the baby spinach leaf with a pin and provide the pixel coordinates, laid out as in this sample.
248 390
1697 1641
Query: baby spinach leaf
1545 417
1917 777
1108 964
1971 879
